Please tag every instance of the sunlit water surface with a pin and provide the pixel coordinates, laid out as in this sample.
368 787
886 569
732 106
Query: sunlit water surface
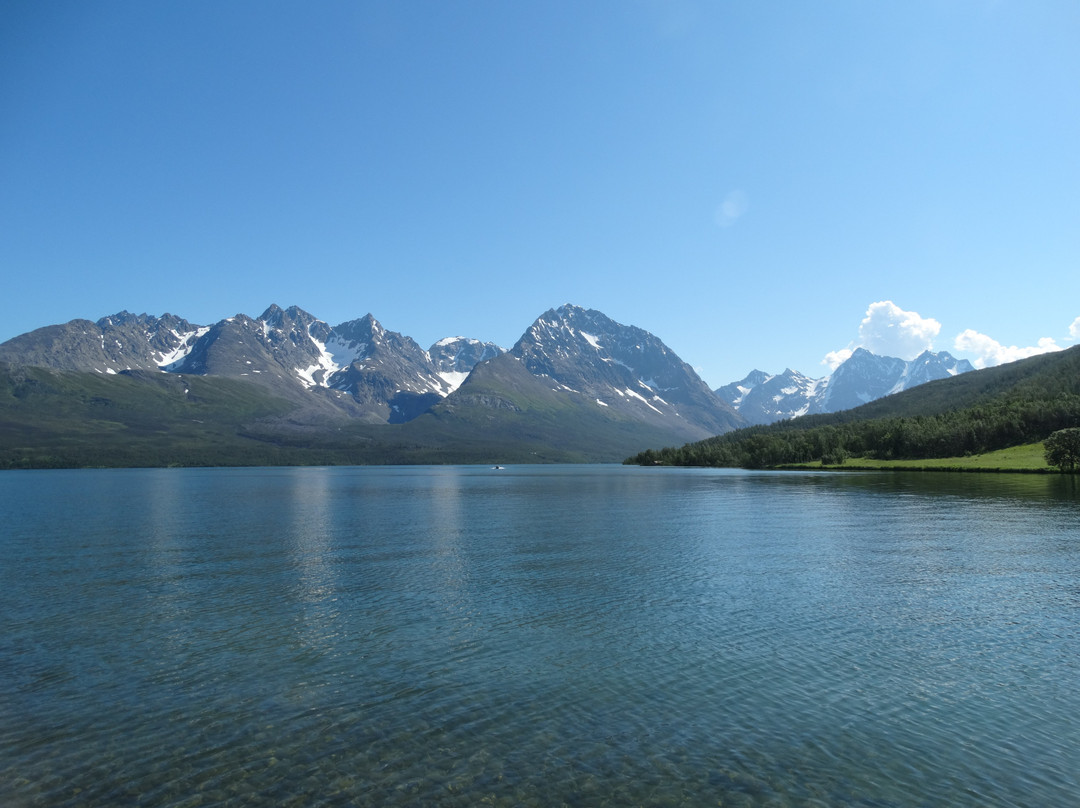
577 635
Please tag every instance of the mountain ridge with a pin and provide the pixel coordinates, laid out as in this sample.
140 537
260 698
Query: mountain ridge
763 399
572 367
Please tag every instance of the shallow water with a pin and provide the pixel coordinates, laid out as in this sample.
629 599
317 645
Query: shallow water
581 635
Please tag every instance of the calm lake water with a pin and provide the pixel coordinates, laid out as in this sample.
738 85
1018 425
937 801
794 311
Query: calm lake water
580 635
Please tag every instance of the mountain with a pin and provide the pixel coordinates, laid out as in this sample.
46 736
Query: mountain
863 377
276 349
455 357
580 383
762 399
621 368
929 367
122 341
286 387
386 373
357 369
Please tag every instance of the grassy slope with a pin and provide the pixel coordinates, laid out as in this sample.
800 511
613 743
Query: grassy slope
50 418
1026 458
62 419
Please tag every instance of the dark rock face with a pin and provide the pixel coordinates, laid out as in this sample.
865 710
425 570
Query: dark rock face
622 367
122 341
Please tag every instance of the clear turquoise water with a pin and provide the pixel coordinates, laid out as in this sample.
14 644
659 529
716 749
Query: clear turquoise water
575 635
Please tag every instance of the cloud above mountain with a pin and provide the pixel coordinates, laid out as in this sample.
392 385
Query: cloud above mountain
989 352
888 330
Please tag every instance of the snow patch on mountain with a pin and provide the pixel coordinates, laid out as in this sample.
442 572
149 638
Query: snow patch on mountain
184 343
343 353
326 364
453 378
589 338
455 357
641 398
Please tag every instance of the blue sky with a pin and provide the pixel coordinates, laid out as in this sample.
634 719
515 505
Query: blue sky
760 185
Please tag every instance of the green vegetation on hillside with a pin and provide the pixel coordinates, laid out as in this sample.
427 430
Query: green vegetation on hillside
61 419
65 419
51 418
973 414
507 406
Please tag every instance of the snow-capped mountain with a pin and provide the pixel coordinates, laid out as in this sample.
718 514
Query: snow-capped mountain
624 368
385 372
455 357
928 367
122 341
579 361
358 366
860 378
863 377
762 399
280 346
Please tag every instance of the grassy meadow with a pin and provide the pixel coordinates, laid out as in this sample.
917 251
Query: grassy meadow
1026 458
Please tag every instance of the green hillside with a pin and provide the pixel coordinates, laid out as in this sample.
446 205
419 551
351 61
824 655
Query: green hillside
55 418
971 414
64 419
507 406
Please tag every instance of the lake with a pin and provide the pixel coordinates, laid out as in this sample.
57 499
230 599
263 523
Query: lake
538 635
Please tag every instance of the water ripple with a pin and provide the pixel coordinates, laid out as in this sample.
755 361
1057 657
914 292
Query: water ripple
579 636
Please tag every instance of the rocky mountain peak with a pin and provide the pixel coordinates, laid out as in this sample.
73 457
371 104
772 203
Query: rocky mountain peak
862 378
623 367
455 357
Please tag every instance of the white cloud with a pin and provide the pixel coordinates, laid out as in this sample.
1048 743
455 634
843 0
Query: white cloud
990 352
888 330
833 359
735 204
